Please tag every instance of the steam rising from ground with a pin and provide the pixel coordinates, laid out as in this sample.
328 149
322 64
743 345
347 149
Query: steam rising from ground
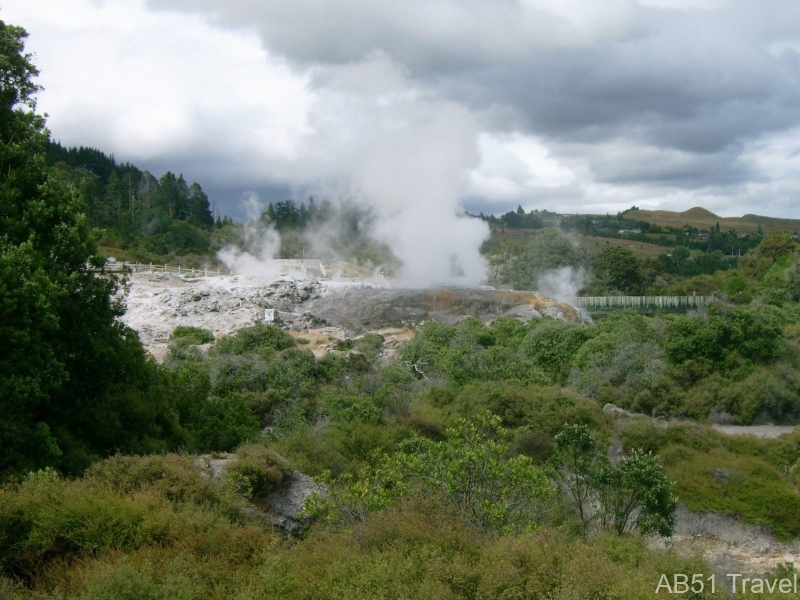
379 141
562 284
255 257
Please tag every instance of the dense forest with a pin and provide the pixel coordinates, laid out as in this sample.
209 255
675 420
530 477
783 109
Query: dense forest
470 462
140 217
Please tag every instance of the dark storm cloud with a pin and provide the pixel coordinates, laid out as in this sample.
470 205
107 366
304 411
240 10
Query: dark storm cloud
701 82
684 85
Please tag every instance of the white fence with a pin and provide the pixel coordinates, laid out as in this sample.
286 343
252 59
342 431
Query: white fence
137 267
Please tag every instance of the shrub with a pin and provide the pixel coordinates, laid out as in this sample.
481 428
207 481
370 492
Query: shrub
469 474
552 344
195 335
259 339
172 477
222 423
48 518
256 472
633 494
370 345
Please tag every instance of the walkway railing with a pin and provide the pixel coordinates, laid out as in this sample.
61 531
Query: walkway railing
137 267
643 303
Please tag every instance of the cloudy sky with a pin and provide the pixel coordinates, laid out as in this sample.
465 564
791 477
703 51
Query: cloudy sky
565 105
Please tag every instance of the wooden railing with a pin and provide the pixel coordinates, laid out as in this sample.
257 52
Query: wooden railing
643 303
137 267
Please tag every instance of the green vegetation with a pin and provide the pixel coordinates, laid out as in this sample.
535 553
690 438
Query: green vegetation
139 217
120 532
74 382
475 465
632 494
741 476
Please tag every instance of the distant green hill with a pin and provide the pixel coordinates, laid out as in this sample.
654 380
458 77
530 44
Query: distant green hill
701 218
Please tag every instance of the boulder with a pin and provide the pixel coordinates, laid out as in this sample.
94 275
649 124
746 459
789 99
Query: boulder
285 506
287 503
523 312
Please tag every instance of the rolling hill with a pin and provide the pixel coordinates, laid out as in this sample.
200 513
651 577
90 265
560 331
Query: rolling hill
703 219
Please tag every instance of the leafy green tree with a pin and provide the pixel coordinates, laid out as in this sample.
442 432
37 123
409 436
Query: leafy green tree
681 254
617 269
575 462
624 358
469 473
753 332
74 382
633 494
552 344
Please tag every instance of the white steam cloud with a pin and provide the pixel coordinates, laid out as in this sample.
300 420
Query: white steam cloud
561 284
379 141
260 245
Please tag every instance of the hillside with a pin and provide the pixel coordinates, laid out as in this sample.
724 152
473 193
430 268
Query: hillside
704 219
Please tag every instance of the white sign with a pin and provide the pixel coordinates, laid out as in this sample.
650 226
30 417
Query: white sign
269 315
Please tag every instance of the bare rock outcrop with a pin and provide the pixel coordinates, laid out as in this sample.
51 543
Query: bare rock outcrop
286 505
159 302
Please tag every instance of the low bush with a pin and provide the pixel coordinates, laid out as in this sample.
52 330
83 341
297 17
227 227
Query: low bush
173 477
196 335
46 518
257 472
259 339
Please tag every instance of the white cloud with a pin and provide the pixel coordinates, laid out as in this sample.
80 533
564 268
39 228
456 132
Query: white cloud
515 165
560 104
144 85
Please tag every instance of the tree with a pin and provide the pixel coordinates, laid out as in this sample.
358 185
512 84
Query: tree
633 494
469 474
575 462
549 249
617 269
74 382
199 212
680 255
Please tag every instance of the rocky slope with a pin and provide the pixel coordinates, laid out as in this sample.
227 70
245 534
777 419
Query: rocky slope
158 302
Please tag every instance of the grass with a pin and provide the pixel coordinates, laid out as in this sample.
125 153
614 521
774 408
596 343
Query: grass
741 476
595 244
743 486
